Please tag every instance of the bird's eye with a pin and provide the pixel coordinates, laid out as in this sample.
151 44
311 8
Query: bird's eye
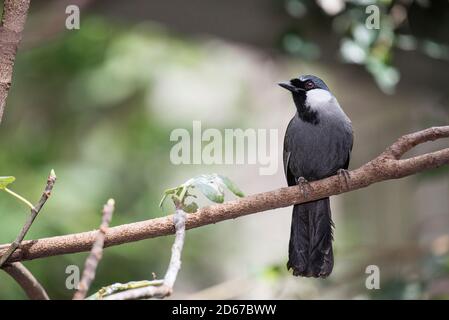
309 85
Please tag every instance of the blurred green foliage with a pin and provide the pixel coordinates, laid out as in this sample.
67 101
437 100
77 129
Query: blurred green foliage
431 284
400 27
86 113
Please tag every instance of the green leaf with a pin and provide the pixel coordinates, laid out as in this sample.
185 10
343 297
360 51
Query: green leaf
191 207
208 186
231 186
5 181
161 203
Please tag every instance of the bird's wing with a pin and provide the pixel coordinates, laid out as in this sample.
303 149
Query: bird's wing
346 166
291 181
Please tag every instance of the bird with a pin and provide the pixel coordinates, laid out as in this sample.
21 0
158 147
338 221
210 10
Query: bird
317 144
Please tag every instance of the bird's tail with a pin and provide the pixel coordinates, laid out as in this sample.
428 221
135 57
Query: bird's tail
310 248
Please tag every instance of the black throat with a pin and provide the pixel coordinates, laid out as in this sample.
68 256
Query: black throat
305 113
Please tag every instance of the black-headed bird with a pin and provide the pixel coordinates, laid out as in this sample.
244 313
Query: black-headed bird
317 144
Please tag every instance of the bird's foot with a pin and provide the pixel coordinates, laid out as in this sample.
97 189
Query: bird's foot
345 175
304 186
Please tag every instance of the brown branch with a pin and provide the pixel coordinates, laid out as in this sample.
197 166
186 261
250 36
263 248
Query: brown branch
11 26
26 280
164 290
96 253
407 142
382 168
34 212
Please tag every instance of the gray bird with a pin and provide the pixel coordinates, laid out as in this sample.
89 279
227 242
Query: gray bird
317 144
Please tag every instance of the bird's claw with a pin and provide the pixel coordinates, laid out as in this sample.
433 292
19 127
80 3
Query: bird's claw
304 186
345 175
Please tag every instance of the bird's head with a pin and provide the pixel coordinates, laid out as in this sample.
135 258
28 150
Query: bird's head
301 85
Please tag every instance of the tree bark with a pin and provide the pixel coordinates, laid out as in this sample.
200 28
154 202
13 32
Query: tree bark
15 13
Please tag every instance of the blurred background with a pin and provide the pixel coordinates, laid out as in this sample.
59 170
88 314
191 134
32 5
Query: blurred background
98 105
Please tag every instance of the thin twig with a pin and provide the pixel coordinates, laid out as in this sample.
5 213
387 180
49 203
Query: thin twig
118 287
15 13
26 280
34 212
384 167
96 253
179 220
164 290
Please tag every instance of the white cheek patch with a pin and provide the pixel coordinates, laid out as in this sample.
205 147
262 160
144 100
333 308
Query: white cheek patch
325 104
317 98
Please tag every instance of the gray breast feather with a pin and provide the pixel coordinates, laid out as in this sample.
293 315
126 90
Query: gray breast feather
317 151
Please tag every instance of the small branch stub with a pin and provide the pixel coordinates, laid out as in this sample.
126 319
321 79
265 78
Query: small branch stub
96 253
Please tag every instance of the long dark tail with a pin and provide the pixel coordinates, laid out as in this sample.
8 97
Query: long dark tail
310 249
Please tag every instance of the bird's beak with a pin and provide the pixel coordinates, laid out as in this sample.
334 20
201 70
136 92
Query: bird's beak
290 87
